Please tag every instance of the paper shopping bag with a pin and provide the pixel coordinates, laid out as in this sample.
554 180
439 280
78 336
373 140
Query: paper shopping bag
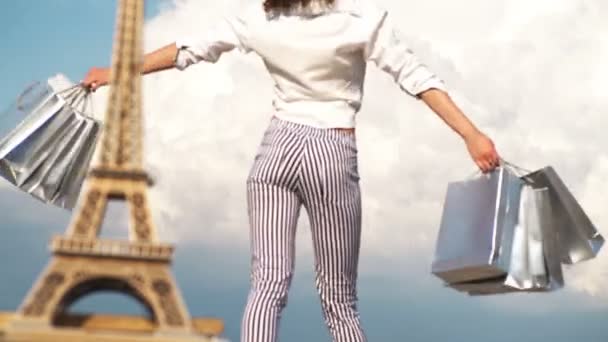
477 225
535 261
48 153
578 238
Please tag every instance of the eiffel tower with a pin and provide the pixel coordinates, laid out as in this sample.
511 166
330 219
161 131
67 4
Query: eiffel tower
82 263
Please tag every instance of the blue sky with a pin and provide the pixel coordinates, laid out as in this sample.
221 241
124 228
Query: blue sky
399 299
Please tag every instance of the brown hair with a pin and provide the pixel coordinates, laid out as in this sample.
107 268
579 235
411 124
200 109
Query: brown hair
281 5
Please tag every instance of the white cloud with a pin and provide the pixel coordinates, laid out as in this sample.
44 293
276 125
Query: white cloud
529 75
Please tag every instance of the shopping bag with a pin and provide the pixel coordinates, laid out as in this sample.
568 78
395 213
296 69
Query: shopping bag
527 269
477 225
48 153
578 238
537 272
519 275
535 263
32 110
545 217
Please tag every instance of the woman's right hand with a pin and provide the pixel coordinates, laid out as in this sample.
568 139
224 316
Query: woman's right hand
96 77
482 150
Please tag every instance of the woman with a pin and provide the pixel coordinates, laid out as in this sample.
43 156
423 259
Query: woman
316 51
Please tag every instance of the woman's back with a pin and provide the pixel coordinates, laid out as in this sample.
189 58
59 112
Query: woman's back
313 58
317 56
317 62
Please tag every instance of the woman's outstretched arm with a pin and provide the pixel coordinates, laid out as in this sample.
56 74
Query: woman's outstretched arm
389 50
228 34
480 147
157 60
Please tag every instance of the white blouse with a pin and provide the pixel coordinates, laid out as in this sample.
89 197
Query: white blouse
317 59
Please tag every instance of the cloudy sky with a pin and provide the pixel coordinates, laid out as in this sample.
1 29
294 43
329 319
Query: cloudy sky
530 74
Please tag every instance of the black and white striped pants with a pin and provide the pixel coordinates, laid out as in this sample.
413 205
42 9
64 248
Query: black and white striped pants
299 165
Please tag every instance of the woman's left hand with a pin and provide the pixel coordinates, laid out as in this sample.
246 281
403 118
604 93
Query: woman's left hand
482 150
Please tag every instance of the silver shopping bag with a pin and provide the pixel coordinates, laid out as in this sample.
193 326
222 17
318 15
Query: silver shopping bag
535 262
578 238
545 217
527 269
48 153
477 225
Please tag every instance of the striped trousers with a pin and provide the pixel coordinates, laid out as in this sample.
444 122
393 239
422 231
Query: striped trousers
299 165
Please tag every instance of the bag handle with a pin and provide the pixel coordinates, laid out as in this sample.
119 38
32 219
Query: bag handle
517 170
520 172
79 97
514 167
76 96
70 91
27 90
478 171
86 103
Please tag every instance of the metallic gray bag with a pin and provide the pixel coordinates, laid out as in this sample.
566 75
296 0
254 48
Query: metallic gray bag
525 251
578 238
535 263
48 153
477 226
527 258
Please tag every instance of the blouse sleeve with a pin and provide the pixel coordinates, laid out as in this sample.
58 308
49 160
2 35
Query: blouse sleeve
226 35
387 48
